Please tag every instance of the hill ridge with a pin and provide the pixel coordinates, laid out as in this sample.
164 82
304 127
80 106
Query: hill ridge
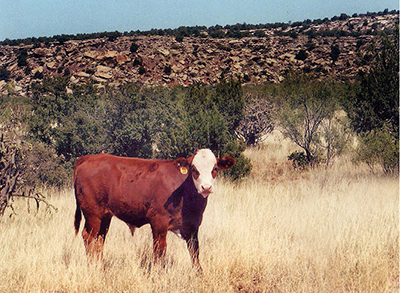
336 49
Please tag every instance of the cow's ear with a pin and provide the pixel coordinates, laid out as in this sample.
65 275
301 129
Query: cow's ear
226 162
182 162
183 165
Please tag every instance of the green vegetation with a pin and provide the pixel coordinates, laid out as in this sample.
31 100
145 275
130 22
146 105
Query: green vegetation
133 121
304 106
374 108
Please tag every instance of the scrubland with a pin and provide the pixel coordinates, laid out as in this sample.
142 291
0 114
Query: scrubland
280 230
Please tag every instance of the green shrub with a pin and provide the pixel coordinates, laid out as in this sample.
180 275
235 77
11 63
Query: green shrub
4 74
242 167
299 160
301 55
134 47
38 75
167 69
335 53
45 167
380 148
374 108
138 122
22 58
304 105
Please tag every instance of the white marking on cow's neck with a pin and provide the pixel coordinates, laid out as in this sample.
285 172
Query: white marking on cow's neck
204 161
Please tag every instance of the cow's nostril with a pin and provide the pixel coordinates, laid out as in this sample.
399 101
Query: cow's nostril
206 187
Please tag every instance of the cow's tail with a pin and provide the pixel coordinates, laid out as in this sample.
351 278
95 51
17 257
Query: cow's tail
78 212
78 217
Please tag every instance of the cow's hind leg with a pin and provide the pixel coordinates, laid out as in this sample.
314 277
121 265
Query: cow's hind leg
94 235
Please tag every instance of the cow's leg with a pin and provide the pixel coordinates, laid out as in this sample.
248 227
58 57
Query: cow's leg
192 242
94 234
159 242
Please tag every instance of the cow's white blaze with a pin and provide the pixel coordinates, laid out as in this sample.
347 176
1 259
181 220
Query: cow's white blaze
204 163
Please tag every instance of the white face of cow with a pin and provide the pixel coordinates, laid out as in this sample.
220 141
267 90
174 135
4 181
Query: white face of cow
204 171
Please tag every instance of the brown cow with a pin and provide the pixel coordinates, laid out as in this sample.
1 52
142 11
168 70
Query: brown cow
170 195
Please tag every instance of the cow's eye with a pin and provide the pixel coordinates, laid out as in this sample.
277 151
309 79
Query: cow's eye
214 172
195 173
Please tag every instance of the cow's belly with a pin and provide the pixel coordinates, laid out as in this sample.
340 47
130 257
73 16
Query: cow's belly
134 213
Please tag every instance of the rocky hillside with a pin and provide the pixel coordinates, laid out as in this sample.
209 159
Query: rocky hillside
336 49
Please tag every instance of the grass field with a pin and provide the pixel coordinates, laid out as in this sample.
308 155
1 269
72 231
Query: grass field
333 230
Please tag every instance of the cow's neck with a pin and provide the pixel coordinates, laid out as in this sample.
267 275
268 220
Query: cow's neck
187 197
193 203
191 195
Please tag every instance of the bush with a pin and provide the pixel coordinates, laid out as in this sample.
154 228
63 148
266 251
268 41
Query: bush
22 58
167 69
24 166
258 121
374 108
38 75
137 122
335 53
304 105
301 55
129 123
380 147
134 47
230 101
259 33
242 167
4 74
45 167
142 70
70 124
299 160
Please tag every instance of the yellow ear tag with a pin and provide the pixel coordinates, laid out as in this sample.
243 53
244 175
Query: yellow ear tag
183 170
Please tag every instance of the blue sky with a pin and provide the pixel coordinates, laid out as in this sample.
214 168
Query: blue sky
35 18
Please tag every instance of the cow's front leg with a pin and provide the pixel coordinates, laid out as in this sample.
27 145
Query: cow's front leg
192 242
159 243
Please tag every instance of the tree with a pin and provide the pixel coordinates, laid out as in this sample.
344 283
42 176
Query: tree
257 122
230 101
4 74
376 102
22 165
22 58
301 55
134 47
146 122
335 136
305 104
129 122
72 124
209 125
206 126
374 108
335 53
134 121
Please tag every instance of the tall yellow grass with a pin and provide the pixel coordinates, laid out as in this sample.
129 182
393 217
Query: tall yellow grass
334 230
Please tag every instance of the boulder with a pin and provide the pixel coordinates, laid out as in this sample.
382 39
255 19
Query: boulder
90 54
104 72
51 65
82 74
122 58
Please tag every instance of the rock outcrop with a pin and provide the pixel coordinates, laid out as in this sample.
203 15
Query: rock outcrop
162 60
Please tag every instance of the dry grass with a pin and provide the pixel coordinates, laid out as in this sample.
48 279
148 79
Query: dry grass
320 231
